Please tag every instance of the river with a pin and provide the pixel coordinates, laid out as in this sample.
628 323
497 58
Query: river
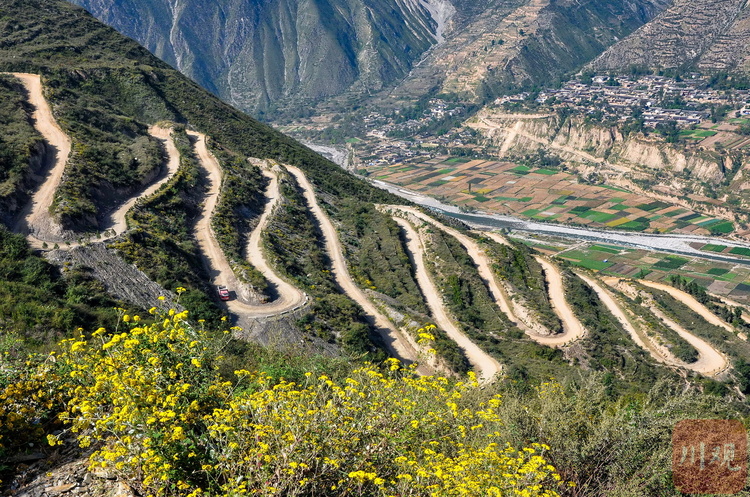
676 244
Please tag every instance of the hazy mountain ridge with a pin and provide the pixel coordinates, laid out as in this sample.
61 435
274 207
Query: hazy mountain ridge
255 53
706 35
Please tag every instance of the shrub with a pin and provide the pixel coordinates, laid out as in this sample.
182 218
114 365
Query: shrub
151 401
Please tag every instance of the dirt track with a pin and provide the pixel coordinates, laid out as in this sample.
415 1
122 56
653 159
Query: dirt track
397 344
219 268
689 301
288 296
118 221
486 366
36 219
710 362
572 327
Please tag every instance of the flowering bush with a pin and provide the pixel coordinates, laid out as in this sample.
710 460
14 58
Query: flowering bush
152 403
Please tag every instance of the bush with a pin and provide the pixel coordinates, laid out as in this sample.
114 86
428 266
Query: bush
151 402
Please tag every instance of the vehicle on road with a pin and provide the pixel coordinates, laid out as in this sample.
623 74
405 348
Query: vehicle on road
223 292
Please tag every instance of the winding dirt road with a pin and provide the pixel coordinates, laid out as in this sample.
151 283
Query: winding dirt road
220 271
484 267
35 219
572 327
689 301
710 361
288 296
394 340
118 219
486 366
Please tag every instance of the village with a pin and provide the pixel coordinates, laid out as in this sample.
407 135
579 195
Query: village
655 99
435 128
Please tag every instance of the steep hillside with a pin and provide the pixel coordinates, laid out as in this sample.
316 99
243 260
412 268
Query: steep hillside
271 56
105 91
707 35
256 54
521 42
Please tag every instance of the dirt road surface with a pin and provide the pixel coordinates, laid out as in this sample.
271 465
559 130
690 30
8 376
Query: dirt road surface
397 344
118 221
487 367
216 262
689 301
288 296
712 362
35 219
572 327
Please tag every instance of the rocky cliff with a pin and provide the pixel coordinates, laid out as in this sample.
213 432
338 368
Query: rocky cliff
605 151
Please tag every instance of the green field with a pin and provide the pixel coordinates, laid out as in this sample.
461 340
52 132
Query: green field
714 248
671 262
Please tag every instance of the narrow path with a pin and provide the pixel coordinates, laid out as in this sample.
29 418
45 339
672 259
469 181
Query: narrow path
690 301
484 267
288 296
35 218
572 327
216 262
710 362
397 344
118 219
486 366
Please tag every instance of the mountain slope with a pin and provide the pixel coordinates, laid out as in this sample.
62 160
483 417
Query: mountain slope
254 53
708 35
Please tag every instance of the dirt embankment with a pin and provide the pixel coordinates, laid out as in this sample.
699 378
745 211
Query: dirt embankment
397 344
487 367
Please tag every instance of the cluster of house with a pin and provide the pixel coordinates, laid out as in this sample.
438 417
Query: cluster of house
657 99
380 126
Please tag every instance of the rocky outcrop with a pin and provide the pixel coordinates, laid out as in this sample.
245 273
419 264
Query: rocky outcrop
122 281
709 35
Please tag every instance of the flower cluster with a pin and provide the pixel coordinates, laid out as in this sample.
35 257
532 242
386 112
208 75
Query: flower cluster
153 403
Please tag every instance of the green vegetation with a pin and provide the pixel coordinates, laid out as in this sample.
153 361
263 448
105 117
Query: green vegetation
112 154
240 204
160 239
671 262
376 254
517 266
732 315
20 148
680 347
725 341
242 417
294 245
38 304
608 346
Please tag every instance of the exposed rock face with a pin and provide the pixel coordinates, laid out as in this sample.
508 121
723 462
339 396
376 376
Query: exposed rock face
121 280
253 53
633 156
266 55
707 35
